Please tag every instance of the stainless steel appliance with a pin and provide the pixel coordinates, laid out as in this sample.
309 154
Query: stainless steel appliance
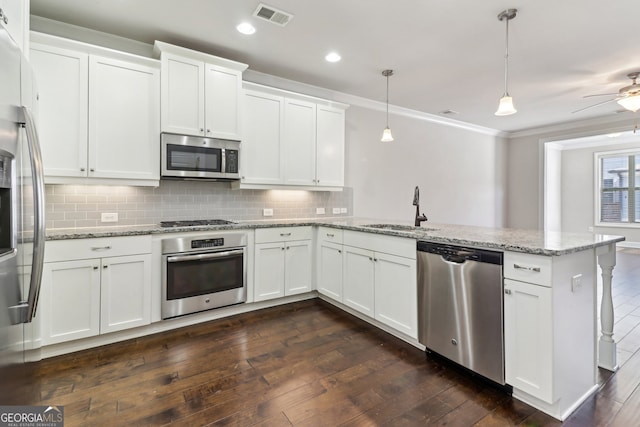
194 157
21 207
203 272
460 306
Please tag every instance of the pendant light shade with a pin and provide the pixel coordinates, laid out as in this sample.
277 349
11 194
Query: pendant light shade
386 134
506 108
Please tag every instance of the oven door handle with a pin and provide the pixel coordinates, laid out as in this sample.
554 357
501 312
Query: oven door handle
180 258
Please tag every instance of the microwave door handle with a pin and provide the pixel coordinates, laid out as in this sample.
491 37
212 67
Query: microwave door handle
199 257
223 165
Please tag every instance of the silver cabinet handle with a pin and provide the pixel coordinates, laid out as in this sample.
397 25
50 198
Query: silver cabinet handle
285 234
82 169
339 251
100 248
524 267
95 267
105 266
92 170
507 291
330 235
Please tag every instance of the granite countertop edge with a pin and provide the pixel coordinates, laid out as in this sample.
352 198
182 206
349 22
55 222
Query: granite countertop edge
504 239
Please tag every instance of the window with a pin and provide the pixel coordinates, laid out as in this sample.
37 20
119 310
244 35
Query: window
618 189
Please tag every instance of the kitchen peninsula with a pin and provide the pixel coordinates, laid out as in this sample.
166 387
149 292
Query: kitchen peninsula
550 281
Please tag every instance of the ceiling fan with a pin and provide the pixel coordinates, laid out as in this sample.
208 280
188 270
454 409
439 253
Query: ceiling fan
628 97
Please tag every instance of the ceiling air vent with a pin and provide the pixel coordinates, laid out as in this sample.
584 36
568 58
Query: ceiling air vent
272 14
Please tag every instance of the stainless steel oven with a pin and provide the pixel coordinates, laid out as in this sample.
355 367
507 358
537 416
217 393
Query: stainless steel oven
203 272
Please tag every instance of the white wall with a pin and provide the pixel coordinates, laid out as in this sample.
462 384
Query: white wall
460 172
525 180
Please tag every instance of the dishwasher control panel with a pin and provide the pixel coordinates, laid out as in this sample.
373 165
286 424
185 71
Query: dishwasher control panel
461 253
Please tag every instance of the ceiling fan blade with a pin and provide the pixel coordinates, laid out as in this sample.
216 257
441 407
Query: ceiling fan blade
595 105
601 94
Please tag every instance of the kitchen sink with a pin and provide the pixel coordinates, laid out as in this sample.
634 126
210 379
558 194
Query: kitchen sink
399 227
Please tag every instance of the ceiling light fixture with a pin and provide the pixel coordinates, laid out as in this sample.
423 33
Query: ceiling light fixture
333 57
506 107
246 28
386 134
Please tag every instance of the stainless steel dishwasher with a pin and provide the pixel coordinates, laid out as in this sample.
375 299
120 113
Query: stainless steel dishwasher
460 306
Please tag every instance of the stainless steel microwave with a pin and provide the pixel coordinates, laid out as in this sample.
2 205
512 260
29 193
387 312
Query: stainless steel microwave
195 157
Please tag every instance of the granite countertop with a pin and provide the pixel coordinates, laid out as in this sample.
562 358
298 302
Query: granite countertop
517 240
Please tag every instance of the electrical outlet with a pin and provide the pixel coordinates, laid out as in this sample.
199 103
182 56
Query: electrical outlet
336 211
319 211
590 229
343 210
109 217
576 282
267 212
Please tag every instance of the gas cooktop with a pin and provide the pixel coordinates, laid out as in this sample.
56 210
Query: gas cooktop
195 223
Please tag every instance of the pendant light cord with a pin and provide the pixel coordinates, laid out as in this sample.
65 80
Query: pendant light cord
506 57
387 100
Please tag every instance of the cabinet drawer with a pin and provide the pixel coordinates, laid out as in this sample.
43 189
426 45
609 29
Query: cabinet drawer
65 250
330 234
528 268
400 246
283 234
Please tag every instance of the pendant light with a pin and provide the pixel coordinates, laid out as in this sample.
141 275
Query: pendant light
386 134
506 107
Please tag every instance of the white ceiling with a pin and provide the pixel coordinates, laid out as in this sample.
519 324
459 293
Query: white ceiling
446 54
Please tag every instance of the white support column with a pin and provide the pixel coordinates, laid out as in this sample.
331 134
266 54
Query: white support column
606 344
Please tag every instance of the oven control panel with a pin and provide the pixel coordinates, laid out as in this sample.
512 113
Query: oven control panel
207 243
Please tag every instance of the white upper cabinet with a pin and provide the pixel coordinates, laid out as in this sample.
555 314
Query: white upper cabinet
291 140
182 95
299 142
201 94
330 146
99 115
124 120
14 17
261 156
63 79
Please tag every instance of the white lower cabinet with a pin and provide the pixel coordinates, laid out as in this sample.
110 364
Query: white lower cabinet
69 306
90 295
528 338
379 279
330 269
283 258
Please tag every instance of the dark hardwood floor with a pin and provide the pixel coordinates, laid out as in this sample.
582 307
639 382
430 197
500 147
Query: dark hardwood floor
300 364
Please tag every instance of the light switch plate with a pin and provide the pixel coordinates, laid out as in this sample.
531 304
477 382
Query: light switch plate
319 211
267 212
576 282
336 211
343 210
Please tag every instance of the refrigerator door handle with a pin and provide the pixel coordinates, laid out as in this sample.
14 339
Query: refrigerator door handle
39 225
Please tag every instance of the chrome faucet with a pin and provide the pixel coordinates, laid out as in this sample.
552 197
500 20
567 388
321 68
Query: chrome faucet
416 203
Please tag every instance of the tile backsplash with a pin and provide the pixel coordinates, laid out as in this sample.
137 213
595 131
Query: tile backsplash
76 206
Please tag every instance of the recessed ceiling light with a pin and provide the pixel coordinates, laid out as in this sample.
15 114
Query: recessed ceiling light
333 57
246 28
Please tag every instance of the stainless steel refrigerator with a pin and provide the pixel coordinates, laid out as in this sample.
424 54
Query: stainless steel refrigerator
21 210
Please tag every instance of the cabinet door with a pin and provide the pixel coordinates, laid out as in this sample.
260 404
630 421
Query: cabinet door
222 102
62 78
125 292
269 271
124 120
330 270
528 337
357 283
297 267
261 132
182 95
396 299
69 306
330 146
299 142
